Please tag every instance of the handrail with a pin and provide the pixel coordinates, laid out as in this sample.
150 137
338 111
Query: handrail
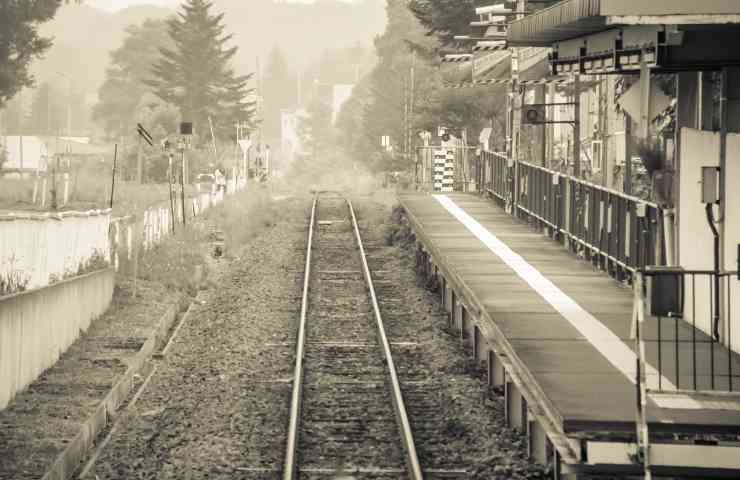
297 397
407 436
592 185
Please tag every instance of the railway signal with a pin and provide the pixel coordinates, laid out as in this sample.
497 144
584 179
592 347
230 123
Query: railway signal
144 134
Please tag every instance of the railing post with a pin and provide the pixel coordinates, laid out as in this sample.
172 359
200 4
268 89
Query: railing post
641 426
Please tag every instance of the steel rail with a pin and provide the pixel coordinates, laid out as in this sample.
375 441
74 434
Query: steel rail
289 468
412 459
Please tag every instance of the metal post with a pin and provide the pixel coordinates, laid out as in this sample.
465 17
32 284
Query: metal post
139 162
113 174
170 172
628 148
182 188
577 126
643 436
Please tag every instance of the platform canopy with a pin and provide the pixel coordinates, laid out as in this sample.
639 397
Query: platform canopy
606 36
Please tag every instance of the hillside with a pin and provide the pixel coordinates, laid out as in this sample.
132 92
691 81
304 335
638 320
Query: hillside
84 35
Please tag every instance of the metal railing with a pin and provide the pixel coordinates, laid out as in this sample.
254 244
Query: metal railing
494 176
619 232
687 329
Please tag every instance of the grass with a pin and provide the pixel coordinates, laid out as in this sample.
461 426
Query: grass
86 192
180 262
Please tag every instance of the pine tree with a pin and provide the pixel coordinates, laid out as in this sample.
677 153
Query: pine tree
196 74
445 18
20 42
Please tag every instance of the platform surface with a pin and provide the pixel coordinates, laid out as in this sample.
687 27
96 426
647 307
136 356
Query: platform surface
568 323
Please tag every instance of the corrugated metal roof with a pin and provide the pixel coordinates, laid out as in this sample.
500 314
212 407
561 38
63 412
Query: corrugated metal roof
564 20
576 18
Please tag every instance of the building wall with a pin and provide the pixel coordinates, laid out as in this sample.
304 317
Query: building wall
701 149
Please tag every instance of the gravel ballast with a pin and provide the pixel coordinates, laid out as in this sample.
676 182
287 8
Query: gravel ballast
217 406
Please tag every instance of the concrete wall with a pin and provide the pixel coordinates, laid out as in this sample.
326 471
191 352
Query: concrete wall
37 326
34 248
699 149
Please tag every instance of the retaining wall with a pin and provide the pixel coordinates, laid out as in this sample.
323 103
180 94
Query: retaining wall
37 249
37 326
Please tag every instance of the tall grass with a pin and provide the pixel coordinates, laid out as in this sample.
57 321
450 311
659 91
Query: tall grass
87 191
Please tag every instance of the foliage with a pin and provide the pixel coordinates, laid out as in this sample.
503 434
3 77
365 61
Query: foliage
20 42
279 91
445 18
3 156
13 282
195 74
650 154
123 95
315 130
379 102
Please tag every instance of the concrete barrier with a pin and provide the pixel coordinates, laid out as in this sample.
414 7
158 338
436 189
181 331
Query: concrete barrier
37 326
38 249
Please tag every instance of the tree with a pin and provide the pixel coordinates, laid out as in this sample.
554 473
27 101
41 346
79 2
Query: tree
20 42
124 88
14 116
3 156
315 130
279 91
195 74
48 113
445 18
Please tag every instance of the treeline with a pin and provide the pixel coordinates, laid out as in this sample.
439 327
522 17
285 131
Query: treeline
405 93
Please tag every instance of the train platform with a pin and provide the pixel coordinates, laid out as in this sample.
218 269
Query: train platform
556 334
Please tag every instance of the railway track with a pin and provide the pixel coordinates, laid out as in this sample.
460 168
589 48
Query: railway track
347 412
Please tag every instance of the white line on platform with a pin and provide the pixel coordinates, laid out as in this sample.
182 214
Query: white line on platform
610 345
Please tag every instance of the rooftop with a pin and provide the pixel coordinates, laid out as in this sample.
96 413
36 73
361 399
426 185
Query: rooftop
575 18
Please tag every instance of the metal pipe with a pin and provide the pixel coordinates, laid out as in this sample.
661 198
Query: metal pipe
290 465
710 220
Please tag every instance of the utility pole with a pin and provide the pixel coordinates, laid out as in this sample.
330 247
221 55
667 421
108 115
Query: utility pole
412 99
259 107
577 126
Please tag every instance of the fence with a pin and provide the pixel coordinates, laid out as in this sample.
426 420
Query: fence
38 249
619 232
127 233
32 340
686 319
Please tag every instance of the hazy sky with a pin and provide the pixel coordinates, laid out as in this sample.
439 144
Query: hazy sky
119 4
